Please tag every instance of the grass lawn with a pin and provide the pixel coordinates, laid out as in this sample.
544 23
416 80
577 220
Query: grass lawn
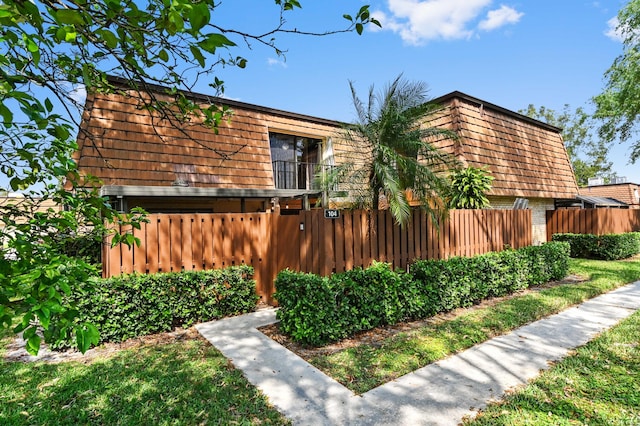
184 383
598 385
364 367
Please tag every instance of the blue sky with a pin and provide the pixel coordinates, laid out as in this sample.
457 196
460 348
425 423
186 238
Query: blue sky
511 53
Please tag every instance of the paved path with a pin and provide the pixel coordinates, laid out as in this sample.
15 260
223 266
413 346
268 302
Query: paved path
438 394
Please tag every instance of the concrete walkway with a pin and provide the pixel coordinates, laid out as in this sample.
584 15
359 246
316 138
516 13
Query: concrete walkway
441 393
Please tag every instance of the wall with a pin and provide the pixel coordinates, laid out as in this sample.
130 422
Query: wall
538 206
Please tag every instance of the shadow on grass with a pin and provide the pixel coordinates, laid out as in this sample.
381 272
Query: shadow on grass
182 383
597 385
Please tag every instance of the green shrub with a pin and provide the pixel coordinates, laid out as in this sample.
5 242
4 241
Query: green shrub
606 247
316 310
133 305
308 308
87 247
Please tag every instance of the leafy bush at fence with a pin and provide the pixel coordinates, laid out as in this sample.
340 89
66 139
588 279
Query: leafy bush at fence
87 246
316 310
607 247
134 305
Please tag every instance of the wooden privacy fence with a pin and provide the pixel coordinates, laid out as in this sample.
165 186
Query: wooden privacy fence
310 243
592 221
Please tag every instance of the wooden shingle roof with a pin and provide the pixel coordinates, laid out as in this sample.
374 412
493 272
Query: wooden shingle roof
526 157
625 192
123 143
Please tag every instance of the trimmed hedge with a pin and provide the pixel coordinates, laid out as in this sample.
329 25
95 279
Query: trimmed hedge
134 305
606 247
315 310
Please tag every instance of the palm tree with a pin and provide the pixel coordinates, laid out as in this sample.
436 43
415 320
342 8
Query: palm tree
393 157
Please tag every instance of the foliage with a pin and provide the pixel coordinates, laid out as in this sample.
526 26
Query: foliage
618 106
86 246
315 310
135 305
587 153
188 382
51 53
393 154
468 188
606 247
367 365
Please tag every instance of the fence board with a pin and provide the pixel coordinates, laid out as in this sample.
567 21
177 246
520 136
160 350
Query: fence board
592 221
270 242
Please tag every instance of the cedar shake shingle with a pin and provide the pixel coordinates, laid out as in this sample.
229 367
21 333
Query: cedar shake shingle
526 157
123 143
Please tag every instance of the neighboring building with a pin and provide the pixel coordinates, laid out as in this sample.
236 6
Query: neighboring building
625 192
262 155
25 204
526 157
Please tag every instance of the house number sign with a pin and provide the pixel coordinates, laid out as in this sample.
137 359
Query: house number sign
331 214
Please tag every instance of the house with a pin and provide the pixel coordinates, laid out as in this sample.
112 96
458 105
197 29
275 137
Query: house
265 158
526 157
620 190
258 158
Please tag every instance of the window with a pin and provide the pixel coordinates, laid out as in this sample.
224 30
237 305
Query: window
294 160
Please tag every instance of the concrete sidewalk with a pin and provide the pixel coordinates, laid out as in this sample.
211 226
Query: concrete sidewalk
441 393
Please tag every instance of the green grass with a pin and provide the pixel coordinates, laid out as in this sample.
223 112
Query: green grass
364 367
185 383
599 385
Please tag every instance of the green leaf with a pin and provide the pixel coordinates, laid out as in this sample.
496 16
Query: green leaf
109 38
48 105
44 316
61 33
70 36
213 41
359 28
33 344
86 336
6 114
176 20
69 17
61 132
197 55
163 55
31 45
199 16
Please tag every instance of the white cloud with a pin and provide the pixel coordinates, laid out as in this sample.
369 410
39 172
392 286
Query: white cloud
276 62
500 17
613 32
418 21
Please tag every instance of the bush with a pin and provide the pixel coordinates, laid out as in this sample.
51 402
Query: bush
606 247
316 310
308 308
87 247
133 305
